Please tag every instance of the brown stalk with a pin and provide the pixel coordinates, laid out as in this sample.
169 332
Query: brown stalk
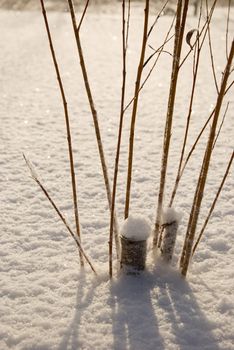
124 51
211 50
227 26
83 15
76 239
198 138
157 18
179 33
159 51
221 125
195 71
134 110
69 139
191 229
93 111
182 168
204 28
213 204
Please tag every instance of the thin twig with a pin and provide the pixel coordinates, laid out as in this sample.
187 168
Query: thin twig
182 9
211 50
204 28
124 52
194 215
134 110
157 18
195 72
221 125
83 15
227 26
159 51
76 239
69 139
94 114
197 139
213 204
229 87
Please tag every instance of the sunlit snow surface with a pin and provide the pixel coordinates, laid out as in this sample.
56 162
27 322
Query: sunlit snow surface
47 302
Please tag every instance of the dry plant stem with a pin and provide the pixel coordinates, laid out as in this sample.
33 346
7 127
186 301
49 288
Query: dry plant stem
76 239
204 28
187 124
197 140
157 18
83 15
221 125
159 51
128 24
213 204
229 87
69 139
94 113
179 33
211 49
191 229
124 51
227 27
134 110
182 168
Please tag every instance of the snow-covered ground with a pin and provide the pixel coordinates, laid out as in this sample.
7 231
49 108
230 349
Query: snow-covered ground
47 302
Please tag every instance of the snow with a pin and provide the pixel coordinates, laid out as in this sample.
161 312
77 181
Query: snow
170 215
136 228
47 302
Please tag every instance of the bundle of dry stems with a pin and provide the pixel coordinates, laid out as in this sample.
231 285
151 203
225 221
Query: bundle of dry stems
195 39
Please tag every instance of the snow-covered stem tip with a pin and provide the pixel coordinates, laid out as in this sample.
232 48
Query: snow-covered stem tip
170 224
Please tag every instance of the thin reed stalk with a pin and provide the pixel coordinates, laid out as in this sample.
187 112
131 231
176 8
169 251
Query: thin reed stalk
199 44
195 72
134 109
211 50
179 34
194 215
213 204
94 112
159 51
227 26
204 28
117 156
62 218
67 121
221 125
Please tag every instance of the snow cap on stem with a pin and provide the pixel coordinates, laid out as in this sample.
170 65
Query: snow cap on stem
170 215
136 228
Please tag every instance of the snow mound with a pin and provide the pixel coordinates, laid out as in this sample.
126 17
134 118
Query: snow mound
170 215
136 228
